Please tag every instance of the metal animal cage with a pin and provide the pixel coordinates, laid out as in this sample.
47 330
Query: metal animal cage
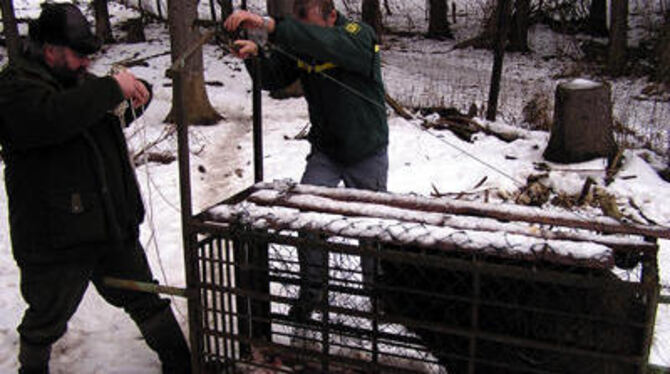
451 287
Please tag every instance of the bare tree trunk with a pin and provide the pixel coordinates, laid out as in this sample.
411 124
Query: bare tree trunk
159 9
387 7
226 8
520 25
663 54
199 111
438 24
486 39
372 15
280 8
11 31
212 10
597 21
502 12
618 37
454 20
103 28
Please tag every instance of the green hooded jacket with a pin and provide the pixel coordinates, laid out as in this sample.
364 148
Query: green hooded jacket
69 181
340 71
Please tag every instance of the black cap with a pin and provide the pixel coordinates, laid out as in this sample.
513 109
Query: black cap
64 24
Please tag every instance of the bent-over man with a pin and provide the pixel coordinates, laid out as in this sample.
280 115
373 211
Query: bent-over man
74 203
338 64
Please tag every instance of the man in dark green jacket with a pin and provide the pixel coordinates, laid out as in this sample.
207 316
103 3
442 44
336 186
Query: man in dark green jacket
74 203
339 67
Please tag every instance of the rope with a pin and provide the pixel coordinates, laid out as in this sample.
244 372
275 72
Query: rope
150 212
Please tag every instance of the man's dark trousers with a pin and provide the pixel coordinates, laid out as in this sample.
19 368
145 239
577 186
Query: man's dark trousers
53 292
368 174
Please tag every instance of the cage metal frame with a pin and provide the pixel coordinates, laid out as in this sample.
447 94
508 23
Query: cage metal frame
231 341
240 307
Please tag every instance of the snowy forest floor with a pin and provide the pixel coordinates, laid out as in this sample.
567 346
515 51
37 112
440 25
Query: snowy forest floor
417 72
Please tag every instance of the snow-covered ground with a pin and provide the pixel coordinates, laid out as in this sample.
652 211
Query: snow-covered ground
102 339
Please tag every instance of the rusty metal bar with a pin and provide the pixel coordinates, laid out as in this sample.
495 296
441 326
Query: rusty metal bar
222 298
202 273
145 287
230 277
189 238
476 287
650 279
257 121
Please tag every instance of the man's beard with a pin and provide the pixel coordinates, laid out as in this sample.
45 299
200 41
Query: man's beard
68 77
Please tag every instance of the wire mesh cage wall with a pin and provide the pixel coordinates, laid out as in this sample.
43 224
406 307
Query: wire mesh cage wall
426 302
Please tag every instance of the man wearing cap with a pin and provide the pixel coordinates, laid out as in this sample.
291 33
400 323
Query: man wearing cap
338 64
74 203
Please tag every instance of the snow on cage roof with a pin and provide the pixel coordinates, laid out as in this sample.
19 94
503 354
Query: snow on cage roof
408 220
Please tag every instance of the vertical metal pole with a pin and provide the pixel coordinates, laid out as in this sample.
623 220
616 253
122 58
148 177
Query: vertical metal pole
650 280
212 9
498 54
189 239
258 122
474 323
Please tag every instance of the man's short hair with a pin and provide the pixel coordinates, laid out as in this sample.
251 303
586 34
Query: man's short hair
302 7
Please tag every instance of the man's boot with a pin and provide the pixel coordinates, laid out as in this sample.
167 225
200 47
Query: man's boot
33 358
163 334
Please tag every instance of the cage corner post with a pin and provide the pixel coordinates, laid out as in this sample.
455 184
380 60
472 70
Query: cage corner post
188 235
251 253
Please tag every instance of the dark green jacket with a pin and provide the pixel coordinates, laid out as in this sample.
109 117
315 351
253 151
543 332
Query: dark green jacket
346 126
70 185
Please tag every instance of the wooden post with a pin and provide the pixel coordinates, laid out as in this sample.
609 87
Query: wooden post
498 54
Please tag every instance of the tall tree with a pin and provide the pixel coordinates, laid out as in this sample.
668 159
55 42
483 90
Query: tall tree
11 31
487 38
372 15
616 63
183 34
438 24
518 36
226 8
103 27
597 20
663 53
